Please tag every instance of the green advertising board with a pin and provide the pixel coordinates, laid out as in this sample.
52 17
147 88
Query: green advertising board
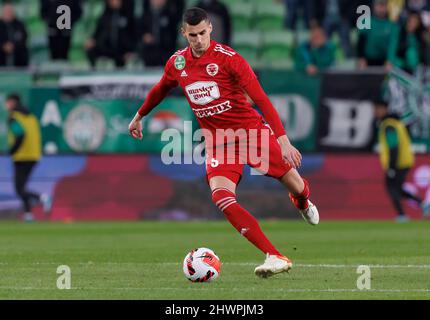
101 126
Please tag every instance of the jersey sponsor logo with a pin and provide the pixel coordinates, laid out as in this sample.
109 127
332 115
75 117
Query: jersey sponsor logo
210 111
202 92
221 49
212 69
184 74
180 62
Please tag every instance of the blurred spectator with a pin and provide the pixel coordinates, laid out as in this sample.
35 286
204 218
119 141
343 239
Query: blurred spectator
113 37
373 44
316 54
176 8
295 8
408 49
220 19
396 158
417 5
59 40
127 7
25 148
338 16
13 39
157 34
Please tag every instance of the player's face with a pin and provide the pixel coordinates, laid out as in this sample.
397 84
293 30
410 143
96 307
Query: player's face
10 104
380 111
198 36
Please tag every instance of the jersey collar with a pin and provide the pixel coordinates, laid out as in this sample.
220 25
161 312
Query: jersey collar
211 46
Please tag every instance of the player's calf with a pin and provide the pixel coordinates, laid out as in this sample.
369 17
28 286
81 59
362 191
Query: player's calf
242 220
306 208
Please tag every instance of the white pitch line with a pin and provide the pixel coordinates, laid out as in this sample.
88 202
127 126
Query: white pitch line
229 289
298 265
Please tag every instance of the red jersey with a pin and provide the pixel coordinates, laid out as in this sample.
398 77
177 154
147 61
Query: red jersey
215 85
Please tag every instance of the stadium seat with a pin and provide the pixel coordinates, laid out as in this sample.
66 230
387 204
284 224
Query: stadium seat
277 46
241 13
37 34
248 44
39 55
80 34
77 53
269 16
96 10
249 40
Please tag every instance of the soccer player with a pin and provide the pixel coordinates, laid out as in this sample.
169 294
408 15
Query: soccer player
215 79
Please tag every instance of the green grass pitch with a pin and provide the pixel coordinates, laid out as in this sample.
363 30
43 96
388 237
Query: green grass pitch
143 260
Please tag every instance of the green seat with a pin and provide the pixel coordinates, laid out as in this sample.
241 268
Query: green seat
241 13
33 9
77 54
96 9
269 16
251 56
79 34
37 31
39 55
277 46
247 41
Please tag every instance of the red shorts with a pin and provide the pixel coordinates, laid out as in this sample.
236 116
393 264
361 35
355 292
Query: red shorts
259 149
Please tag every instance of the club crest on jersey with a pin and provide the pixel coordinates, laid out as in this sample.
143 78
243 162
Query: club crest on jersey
212 69
180 62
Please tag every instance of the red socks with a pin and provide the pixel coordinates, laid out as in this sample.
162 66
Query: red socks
244 222
301 201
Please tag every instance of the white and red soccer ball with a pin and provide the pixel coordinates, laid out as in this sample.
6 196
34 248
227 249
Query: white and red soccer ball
201 265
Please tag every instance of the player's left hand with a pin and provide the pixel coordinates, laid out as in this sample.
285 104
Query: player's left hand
289 153
135 127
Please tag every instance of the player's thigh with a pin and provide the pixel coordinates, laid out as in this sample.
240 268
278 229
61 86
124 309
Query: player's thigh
223 175
222 182
265 156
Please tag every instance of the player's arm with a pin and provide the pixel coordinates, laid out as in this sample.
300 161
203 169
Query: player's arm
155 96
257 94
247 79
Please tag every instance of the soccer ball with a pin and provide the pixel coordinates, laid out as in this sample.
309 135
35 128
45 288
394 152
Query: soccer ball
201 265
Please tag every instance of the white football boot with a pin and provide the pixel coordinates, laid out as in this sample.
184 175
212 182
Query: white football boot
272 265
310 214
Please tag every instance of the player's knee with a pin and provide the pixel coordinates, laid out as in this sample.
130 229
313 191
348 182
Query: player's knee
223 198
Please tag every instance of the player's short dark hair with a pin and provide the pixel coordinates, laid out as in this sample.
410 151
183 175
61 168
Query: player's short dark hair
14 96
193 16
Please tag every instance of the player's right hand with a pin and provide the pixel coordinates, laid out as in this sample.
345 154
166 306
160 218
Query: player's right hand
135 127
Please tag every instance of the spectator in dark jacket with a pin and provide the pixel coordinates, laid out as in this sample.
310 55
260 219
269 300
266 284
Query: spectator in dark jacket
13 39
59 40
295 8
157 34
408 50
113 37
374 43
338 16
220 19
316 54
176 8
